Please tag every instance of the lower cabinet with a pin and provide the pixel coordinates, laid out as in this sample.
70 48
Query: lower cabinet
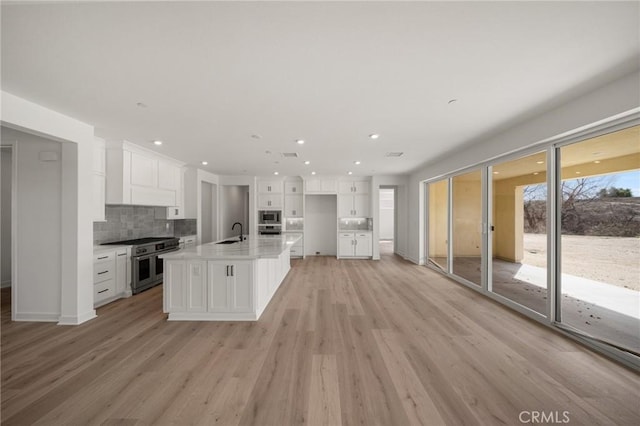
355 244
111 275
230 286
221 290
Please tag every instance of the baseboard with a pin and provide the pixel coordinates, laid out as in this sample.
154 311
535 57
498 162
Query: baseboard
76 320
36 317
5 284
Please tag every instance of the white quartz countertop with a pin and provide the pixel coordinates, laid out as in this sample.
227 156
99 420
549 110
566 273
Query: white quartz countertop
254 247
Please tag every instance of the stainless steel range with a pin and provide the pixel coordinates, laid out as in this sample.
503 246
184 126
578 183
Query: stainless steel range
147 268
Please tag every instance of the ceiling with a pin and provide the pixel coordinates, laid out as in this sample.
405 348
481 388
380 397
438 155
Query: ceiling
237 83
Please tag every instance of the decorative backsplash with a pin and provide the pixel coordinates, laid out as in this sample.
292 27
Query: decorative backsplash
355 224
130 222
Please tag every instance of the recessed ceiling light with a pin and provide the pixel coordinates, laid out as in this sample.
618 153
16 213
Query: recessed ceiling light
276 173
539 162
157 143
536 173
374 136
452 101
597 161
299 141
204 163
496 173
349 173
356 163
307 162
313 173
578 173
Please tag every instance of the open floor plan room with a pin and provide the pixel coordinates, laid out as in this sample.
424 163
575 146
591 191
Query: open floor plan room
343 342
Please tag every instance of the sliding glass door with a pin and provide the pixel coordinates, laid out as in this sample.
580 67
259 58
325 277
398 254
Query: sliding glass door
438 229
466 200
519 233
599 195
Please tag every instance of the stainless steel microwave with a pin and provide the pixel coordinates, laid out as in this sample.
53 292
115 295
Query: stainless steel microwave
269 217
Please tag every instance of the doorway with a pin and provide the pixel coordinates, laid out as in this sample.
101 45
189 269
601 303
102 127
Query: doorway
208 212
387 220
234 207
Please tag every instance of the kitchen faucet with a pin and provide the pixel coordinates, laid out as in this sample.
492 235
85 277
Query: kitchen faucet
234 225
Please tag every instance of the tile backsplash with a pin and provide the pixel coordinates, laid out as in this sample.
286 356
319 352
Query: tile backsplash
129 222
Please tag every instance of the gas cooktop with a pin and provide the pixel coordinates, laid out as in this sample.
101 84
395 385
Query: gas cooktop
138 241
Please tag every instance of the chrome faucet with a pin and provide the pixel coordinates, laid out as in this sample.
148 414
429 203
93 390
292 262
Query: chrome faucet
233 227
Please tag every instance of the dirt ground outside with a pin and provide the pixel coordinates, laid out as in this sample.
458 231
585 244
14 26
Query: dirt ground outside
611 260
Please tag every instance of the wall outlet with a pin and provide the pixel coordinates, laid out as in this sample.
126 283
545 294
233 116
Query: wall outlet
317 253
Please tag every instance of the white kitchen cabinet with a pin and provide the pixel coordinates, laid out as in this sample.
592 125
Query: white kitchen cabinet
173 212
269 187
175 295
354 187
138 176
270 201
293 187
355 244
356 205
293 205
123 281
196 292
297 249
111 275
320 186
187 241
230 286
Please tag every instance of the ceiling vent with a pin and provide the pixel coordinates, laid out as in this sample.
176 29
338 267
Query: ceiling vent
290 154
394 154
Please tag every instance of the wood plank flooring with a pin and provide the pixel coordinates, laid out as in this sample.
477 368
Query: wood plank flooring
342 343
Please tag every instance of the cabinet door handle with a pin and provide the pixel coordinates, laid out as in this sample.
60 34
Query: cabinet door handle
103 257
102 291
227 274
103 272
232 274
122 254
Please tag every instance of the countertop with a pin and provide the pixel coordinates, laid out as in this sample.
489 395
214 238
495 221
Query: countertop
254 247
101 249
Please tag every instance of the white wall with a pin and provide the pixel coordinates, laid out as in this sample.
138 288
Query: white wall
387 213
233 209
75 227
5 221
39 202
320 222
616 98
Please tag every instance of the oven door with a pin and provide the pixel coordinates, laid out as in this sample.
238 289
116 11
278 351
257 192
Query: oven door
144 272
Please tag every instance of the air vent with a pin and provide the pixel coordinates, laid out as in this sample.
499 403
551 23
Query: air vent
394 154
290 154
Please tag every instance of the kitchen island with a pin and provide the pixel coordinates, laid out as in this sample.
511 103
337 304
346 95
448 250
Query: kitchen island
225 282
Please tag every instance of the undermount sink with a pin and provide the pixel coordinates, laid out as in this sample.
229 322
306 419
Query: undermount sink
228 242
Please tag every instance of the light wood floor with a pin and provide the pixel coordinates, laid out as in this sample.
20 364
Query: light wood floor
342 342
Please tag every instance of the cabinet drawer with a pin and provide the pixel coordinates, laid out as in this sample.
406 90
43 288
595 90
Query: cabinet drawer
103 290
104 256
103 271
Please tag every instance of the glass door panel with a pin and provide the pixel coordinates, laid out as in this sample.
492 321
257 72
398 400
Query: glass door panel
467 226
600 237
519 234
438 246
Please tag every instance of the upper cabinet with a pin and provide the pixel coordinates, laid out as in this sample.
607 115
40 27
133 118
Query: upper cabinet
293 197
269 187
320 186
98 179
141 177
354 187
293 187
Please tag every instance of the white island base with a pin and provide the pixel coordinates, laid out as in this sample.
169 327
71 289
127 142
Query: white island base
224 283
